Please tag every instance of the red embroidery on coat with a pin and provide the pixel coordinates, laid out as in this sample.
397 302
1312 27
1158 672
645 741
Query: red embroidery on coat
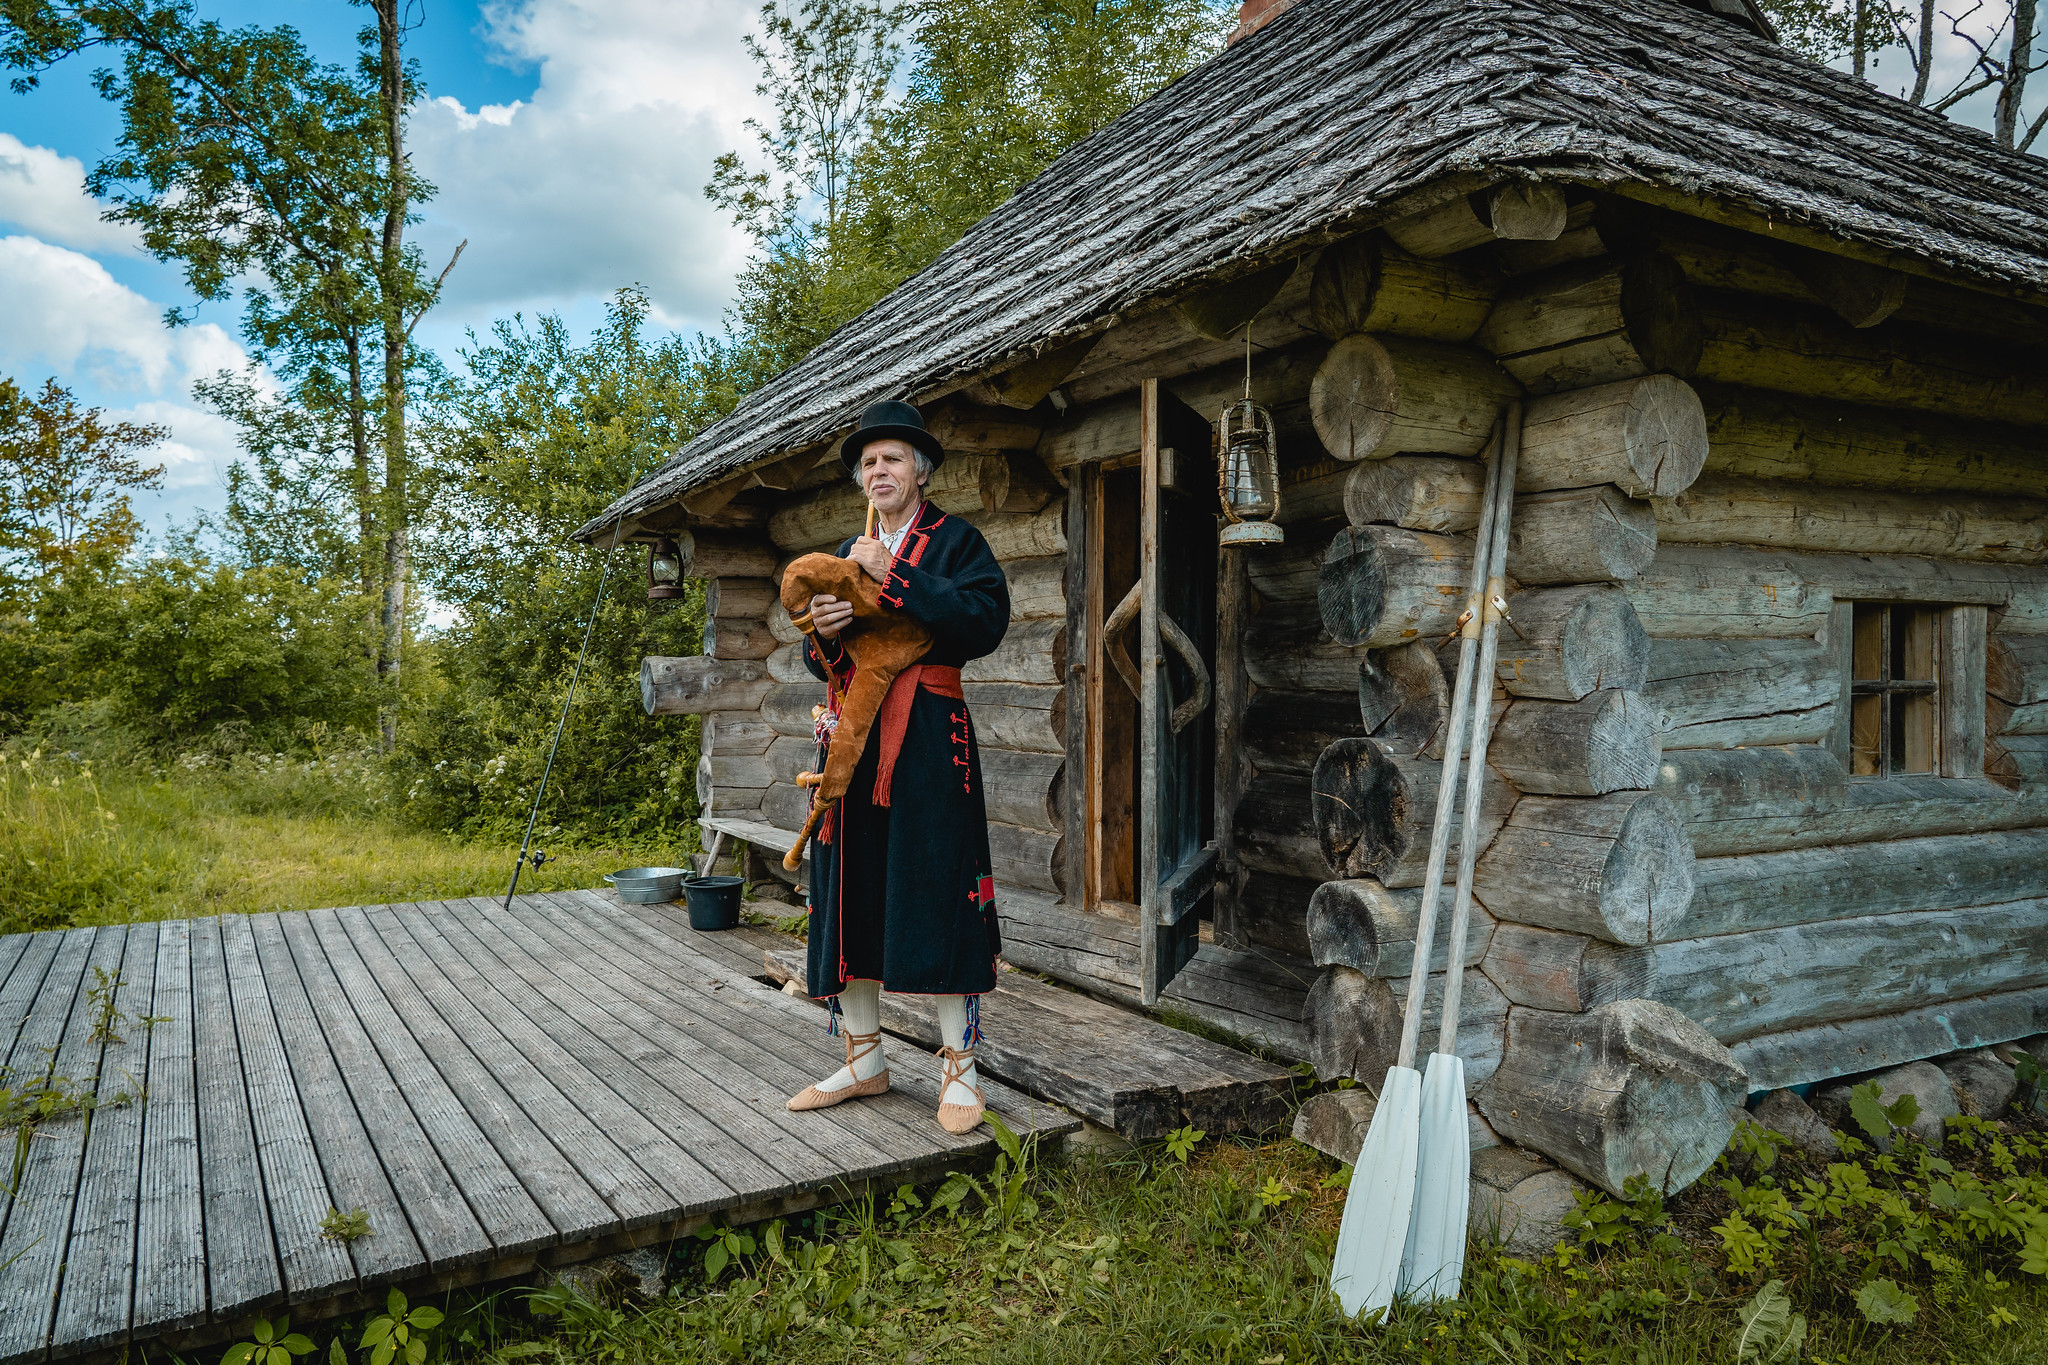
962 758
984 892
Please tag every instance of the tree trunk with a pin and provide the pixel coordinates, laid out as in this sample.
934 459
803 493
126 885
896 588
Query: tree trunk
1383 585
1540 968
1388 395
1618 867
1419 492
1024 788
1028 858
1286 732
1568 642
1610 741
1633 1088
1276 828
721 554
1515 210
744 598
1019 716
393 277
1595 322
738 637
1647 436
1404 697
1823 1051
1031 652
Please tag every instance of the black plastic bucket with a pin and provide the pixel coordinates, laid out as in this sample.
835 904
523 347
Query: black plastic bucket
714 902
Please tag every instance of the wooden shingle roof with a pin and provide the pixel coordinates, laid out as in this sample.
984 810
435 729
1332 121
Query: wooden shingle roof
1317 123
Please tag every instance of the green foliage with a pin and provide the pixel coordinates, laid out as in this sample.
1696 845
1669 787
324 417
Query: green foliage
726 1246
1771 1331
273 1344
1883 1302
398 1332
1603 1222
1876 1118
1182 1141
346 1228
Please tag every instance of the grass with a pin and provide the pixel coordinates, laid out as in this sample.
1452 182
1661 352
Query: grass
110 844
1142 1257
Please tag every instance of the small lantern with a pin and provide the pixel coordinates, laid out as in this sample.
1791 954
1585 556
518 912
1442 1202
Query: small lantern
664 570
1248 475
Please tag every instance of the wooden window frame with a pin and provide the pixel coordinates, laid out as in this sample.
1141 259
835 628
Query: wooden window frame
1957 685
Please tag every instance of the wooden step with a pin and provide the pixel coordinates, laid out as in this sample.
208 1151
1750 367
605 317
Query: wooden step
1116 1067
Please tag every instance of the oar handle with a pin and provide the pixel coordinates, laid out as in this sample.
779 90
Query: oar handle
1447 786
1475 781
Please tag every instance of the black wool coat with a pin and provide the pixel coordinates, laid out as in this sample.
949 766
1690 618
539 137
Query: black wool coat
902 894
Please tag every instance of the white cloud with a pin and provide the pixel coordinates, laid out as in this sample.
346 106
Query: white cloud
43 193
598 180
67 313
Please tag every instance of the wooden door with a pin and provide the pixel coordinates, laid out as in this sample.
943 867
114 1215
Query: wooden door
1176 713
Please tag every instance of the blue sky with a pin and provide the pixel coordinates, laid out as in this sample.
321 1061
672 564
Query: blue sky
570 141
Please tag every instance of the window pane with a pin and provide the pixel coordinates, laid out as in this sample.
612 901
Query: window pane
1913 643
1913 719
1866 736
1868 663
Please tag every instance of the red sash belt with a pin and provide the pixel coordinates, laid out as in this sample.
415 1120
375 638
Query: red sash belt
895 717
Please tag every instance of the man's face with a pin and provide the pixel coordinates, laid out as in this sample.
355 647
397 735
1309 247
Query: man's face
888 471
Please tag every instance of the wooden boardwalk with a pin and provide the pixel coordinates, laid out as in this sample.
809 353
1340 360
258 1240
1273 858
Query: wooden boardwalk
497 1091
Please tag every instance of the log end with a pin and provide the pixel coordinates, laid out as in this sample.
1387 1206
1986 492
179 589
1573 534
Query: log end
1359 808
1665 430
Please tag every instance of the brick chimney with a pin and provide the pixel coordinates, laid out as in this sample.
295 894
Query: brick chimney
1255 15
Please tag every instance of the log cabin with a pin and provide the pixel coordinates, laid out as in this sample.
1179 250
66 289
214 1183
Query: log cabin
1769 795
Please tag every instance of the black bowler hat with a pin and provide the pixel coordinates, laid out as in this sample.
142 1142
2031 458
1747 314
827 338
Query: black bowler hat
891 421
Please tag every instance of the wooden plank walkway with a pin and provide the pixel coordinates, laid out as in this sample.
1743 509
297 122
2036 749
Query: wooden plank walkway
497 1091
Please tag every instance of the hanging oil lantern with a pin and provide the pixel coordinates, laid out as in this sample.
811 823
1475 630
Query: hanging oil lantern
1248 475
664 570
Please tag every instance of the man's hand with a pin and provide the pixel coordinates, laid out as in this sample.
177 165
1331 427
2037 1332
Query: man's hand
829 615
872 556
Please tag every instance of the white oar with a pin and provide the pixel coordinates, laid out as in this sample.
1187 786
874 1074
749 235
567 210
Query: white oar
1366 1270
1435 1261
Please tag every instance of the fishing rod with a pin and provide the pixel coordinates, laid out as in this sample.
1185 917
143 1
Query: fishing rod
533 816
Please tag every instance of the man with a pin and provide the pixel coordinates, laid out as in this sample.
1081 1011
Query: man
901 896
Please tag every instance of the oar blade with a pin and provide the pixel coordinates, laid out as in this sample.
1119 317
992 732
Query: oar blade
1434 1265
1366 1272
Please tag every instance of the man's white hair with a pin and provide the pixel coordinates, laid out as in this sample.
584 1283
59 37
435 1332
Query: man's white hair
919 461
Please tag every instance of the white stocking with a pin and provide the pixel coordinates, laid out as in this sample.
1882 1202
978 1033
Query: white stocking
953 1033
860 1011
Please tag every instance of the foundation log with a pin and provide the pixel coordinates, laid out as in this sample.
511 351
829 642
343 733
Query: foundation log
1404 697
738 637
1384 585
1807 885
1367 284
1630 1089
1724 509
1540 968
1728 694
1762 800
1759 434
1286 732
1379 396
1276 829
1580 535
1370 928
1024 788
1355 1023
1571 642
696 684
1647 436
747 598
1609 741
1823 1051
1421 492
1808 351
1515 210
1372 811
1740 985
712 554
1032 651
1018 716
1028 858
1595 322
1618 867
